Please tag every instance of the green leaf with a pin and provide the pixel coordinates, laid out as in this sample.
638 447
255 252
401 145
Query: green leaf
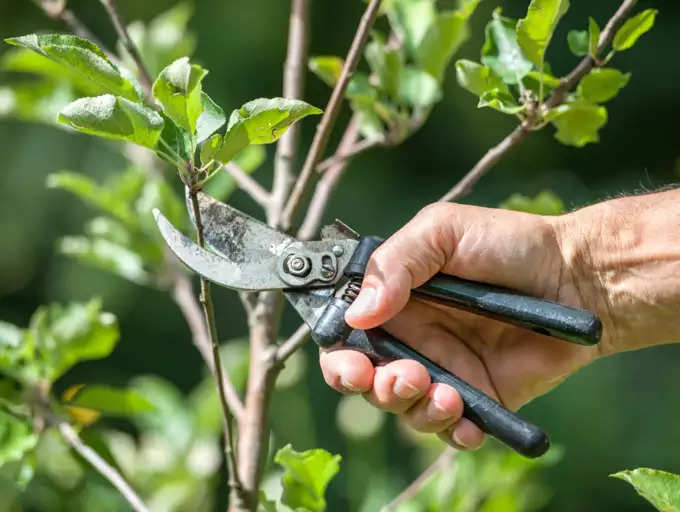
327 68
660 488
545 203
111 401
81 56
476 78
360 90
533 79
177 139
16 438
578 41
501 52
443 39
593 36
222 185
633 28
178 89
387 64
410 20
602 84
211 119
115 118
500 100
106 255
306 476
418 88
578 123
536 29
67 335
260 121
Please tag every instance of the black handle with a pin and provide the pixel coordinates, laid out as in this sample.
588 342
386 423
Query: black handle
481 409
539 315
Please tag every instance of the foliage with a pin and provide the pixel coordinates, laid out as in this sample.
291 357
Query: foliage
514 76
545 203
660 488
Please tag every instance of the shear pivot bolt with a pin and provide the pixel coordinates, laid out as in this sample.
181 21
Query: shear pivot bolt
297 265
337 250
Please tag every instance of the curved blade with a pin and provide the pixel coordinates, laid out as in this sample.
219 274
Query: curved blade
244 272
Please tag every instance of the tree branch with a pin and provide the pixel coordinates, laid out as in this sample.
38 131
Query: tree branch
356 149
293 87
324 187
103 468
112 10
296 340
446 458
248 184
325 126
209 314
464 186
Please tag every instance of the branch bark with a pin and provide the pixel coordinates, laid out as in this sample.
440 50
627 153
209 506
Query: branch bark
103 468
325 126
237 494
293 87
111 7
248 184
464 186
296 340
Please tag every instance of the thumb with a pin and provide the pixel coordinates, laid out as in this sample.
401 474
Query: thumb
404 261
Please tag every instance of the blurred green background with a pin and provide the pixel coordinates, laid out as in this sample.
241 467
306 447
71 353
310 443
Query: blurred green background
616 414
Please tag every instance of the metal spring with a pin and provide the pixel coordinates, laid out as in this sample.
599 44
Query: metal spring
351 290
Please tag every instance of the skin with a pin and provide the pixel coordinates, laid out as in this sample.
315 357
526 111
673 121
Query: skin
619 259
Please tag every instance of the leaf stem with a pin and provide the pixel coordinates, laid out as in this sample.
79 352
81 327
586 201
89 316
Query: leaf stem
103 468
325 126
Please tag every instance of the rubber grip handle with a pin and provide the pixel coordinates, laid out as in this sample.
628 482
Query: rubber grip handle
539 315
485 412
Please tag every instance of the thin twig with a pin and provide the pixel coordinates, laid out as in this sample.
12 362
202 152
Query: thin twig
102 467
209 314
248 184
324 187
323 131
294 342
112 10
293 87
464 186
446 458
358 148
184 297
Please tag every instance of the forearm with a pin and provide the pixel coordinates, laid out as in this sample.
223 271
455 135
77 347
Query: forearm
622 258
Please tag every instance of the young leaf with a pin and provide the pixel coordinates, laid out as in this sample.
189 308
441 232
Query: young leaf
81 56
633 28
445 35
260 121
536 29
114 117
411 19
545 203
111 401
578 41
533 80
578 123
418 88
602 84
106 255
16 438
501 52
660 488
178 89
387 64
306 476
211 119
177 139
593 36
327 68
500 100
478 79
222 185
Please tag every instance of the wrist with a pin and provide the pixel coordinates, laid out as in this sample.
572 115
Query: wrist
621 260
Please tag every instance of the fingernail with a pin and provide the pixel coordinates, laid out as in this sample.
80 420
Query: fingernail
349 386
457 440
405 390
435 409
364 304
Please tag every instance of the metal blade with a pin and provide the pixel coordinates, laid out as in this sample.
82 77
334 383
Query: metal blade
309 302
242 273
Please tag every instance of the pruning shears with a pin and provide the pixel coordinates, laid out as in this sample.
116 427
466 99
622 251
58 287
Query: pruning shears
322 278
